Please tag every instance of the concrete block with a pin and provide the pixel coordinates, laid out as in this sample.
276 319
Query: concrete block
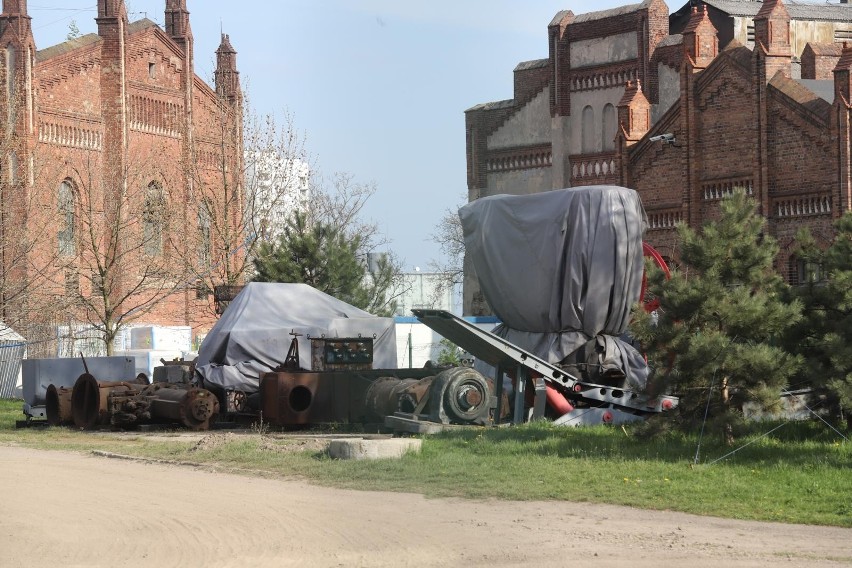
361 449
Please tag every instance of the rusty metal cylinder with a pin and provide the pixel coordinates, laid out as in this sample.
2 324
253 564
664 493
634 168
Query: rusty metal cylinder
388 395
90 400
58 405
195 408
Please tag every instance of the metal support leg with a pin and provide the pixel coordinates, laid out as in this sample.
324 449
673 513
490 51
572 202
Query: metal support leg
498 390
521 375
540 398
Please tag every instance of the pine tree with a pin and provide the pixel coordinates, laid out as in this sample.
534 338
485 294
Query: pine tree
323 256
719 317
824 336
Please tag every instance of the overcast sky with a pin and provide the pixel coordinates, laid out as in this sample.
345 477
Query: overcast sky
378 87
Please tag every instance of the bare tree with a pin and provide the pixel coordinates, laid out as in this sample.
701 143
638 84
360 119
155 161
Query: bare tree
125 264
450 238
238 212
340 204
236 209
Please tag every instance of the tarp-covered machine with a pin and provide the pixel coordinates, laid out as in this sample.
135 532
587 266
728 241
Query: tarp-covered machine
562 270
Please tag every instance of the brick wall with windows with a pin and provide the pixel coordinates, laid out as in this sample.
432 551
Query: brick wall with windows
741 121
120 116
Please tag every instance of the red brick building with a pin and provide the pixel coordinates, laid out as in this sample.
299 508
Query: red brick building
679 117
119 166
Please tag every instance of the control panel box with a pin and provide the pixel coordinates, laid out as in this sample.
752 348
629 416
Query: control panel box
341 353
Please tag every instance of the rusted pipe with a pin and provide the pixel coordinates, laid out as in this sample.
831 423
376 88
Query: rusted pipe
58 405
90 399
385 396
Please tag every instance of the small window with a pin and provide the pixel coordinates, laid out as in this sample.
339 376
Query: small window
152 70
802 272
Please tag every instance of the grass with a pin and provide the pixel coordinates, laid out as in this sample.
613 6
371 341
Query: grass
802 473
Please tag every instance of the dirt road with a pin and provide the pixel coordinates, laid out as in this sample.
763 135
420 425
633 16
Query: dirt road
67 509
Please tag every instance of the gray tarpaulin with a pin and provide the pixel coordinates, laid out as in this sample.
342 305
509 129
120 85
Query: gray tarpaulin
253 335
562 268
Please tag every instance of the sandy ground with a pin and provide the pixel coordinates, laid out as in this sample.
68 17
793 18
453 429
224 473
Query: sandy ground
67 509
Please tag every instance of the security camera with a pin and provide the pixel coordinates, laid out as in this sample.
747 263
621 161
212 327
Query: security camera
667 137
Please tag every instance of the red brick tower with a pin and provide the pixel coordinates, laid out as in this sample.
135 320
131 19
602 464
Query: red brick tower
226 76
772 38
17 139
178 28
227 83
112 28
634 113
17 95
699 39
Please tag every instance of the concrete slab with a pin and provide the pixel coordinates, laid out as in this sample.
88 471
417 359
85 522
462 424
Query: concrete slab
362 449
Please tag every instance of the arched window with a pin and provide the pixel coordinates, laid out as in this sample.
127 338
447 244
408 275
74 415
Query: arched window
11 69
588 131
153 220
67 222
609 128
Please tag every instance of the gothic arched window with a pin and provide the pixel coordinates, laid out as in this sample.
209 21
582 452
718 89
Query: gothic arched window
153 220
67 221
588 131
204 234
609 128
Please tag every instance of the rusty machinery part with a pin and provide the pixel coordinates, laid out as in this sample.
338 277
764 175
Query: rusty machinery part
463 395
292 362
288 398
177 372
90 399
194 407
386 394
58 405
459 395
236 400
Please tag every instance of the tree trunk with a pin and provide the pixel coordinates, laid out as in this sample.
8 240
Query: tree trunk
728 428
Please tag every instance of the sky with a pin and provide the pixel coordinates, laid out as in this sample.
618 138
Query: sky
378 88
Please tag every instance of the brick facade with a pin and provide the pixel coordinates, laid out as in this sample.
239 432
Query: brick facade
736 116
121 118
